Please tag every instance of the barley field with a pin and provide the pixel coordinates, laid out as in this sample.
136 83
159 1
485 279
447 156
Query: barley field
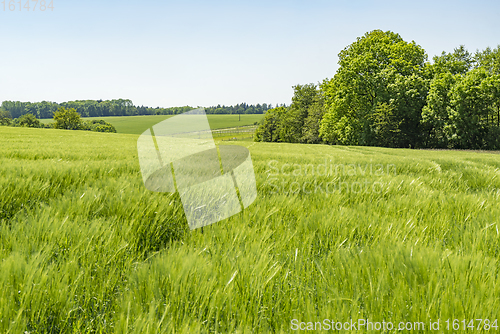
336 232
138 124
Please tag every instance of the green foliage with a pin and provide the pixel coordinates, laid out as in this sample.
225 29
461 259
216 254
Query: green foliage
407 96
67 119
460 61
435 114
42 109
337 129
315 113
463 111
97 125
469 105
385 125
105 128
491 87
304 97
489 59
298 123
5 117
242 108
378 68
386 94
28 120
270 129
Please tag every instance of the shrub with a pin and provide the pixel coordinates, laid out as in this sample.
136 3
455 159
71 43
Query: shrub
97 125
29 120
67 119
105 128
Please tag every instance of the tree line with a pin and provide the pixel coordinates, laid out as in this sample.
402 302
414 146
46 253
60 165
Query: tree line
119 107
386 93
64 118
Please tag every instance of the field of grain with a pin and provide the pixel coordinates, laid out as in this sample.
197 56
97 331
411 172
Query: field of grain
336 232
138 124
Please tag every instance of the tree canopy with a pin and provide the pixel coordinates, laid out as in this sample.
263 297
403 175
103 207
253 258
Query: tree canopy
386 93
67 119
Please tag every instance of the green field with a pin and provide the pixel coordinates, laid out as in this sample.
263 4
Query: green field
138 124
397 235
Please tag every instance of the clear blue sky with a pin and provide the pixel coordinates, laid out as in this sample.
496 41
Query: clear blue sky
202 53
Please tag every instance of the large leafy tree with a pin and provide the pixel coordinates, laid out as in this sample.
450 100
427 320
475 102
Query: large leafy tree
368 68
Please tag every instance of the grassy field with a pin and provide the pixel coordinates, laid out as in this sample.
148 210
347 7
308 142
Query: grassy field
138 124
336 232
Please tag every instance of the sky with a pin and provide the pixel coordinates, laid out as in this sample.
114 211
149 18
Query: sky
204 53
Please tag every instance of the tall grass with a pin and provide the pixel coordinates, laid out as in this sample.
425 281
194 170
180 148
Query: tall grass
84 248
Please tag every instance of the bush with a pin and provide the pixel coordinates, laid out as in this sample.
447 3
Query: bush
105 128
67 119
29 120
97 125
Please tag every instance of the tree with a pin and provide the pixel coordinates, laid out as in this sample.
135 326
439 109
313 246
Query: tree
67 119
489 59
271 126
304 97
29 120
315 113
460 61
385 125
5 117
368 68
298 123
491 87
436 123
407 96
469 109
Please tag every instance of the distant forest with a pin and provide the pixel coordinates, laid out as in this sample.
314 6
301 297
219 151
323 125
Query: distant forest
120 107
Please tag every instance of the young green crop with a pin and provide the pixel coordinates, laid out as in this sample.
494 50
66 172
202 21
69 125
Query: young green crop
85 248
139 124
